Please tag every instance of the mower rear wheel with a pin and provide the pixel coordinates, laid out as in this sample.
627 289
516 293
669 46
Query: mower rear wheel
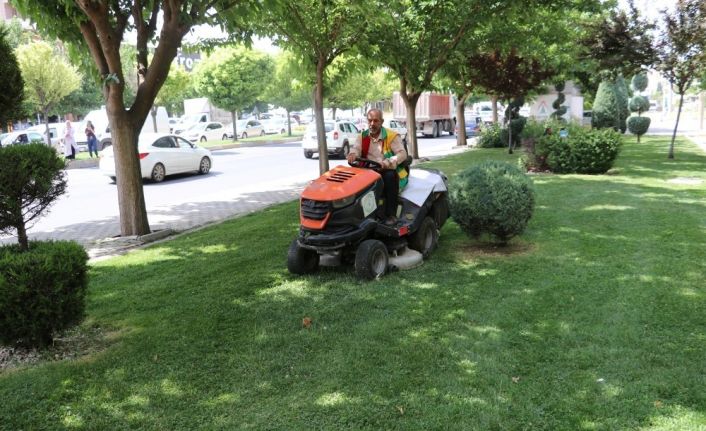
425 239
371 259
300 260
440 210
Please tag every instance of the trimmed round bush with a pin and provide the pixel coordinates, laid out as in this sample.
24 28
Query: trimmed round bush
639 81
493 198
639 104
42 291
638 125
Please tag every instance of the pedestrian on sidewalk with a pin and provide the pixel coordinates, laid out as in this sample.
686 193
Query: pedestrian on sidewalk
70 148
91 138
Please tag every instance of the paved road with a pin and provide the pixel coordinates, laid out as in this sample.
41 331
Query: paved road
243 180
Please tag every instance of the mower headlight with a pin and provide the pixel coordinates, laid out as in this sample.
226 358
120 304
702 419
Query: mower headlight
340 203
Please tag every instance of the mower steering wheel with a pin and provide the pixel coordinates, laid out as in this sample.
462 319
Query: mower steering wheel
360 162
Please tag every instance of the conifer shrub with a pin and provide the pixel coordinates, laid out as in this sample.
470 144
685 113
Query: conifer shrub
606 109
42 291
621 90
638 125
493 198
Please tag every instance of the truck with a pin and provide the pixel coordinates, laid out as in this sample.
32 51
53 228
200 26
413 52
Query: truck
434 113
200 110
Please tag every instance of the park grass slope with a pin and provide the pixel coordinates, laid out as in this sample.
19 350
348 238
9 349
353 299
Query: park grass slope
594 319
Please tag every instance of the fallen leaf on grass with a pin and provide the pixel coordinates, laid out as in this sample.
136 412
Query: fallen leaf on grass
400 409
515 380
306 322
658 403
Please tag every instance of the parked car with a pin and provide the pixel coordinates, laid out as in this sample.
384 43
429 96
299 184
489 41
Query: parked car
210 131
161 155
587 118
275 125
56 132
397 127
21 137
340 135
473 124
247 128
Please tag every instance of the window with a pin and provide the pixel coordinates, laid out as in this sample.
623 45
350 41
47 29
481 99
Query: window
341 128
183 143
164 142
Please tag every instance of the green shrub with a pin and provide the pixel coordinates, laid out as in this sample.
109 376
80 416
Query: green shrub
31 178
490 137
42 290
638 125
582 151
639 104
606 111
621 90
533 129
493 198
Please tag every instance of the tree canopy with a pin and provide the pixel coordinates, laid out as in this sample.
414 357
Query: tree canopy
232 78
11 84
317 33
98 27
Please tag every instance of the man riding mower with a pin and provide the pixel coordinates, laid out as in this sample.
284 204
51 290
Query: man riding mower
346 216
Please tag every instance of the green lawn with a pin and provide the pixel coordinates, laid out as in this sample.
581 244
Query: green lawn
594 319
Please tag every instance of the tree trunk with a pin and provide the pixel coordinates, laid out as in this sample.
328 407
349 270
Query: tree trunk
22 236
410 103
234 119
461 138
676 126
494 101
333 112
289 123
131 199
319 116
46 123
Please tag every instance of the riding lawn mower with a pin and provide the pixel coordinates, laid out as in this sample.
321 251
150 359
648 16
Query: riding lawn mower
341 221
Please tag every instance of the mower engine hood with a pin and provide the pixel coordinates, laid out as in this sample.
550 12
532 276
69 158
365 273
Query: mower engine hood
340 183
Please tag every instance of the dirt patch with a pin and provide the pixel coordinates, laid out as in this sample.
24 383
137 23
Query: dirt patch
77 343
480 249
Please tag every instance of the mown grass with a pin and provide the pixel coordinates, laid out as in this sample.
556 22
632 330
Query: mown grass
595 319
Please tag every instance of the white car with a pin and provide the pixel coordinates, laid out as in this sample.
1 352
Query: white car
397 127
275 125
247 128
21 137
340 135
161 155
211 131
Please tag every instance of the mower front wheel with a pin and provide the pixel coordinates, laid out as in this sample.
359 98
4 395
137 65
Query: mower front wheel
425 239
300 260
371 259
